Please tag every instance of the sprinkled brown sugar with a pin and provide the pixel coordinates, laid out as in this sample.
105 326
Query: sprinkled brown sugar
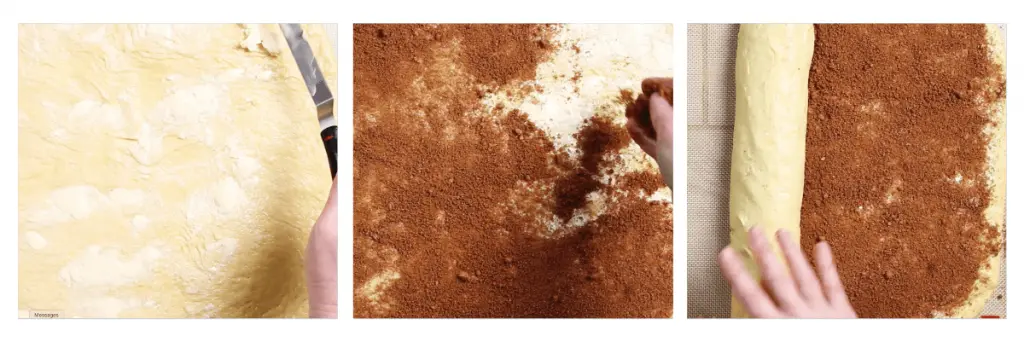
466 215
896 162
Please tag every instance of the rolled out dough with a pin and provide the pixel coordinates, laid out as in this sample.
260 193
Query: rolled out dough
767 177
166 170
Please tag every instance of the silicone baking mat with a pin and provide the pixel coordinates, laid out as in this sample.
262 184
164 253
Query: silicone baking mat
710 102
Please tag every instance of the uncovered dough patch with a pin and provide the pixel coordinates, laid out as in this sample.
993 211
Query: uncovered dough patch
166 170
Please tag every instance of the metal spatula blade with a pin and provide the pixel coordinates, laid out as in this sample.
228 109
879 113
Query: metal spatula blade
318 90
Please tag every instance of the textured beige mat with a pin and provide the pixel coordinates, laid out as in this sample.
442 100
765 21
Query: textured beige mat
710 102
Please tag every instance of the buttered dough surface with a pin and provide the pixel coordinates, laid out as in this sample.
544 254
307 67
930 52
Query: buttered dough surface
166 170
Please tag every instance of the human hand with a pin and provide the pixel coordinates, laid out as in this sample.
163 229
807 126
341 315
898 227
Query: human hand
796 293
322 260
659 144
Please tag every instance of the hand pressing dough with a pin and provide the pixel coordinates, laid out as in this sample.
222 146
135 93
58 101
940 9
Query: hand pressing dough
767 178
166 170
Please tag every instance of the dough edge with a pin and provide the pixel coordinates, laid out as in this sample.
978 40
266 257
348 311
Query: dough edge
995 214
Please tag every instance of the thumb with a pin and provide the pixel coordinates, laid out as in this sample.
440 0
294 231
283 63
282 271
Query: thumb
661 119
332 197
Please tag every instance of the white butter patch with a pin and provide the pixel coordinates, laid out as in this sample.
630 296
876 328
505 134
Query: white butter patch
67 204
231 75
229 196
246 166
89 113
148 147
225 246
252 40
104 267
77 201
221 200
265 75
242 166
259 36
129 200
139 223
35 240
48 216
185 111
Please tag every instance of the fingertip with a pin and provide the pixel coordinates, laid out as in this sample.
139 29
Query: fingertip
651 85
823 247
756 232
729 261
726 253
823 254
731 265
787 241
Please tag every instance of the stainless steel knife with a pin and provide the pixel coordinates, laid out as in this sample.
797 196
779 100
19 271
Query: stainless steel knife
317 85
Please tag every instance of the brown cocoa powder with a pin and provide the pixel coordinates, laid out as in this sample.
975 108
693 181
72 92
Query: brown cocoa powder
640 107
452 195
896 160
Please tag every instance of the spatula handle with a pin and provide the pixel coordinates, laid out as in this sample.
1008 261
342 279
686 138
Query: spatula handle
330 138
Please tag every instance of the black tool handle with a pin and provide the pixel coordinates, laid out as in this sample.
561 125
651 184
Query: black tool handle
330 137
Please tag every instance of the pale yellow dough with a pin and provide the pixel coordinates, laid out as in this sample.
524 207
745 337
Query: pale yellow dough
166 170
767 179
772 71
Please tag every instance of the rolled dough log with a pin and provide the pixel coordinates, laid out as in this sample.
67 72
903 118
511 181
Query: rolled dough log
767 178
